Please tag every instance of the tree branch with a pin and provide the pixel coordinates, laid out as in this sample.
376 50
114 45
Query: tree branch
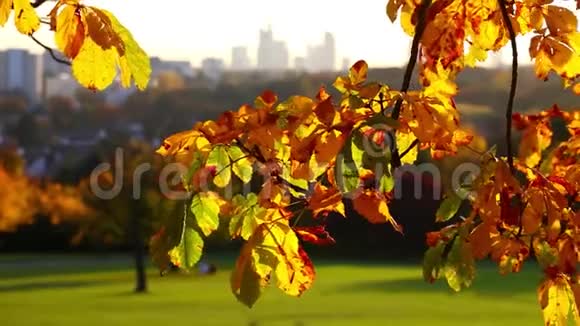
513 86
419 30
51 51
37 3
413 145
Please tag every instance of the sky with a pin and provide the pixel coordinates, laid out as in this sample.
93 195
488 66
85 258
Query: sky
195 29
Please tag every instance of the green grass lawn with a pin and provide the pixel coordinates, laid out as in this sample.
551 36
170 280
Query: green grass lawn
97 291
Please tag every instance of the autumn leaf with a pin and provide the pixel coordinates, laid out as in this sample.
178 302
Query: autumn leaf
99 46
560 20
448 207
241 164
246 283
433 263
557 301
70 32
245 216
373 206
459 268
220 159
315 234
205 206
325 199
25 17
5 9
188 252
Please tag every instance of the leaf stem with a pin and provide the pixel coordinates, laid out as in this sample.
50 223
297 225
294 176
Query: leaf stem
514 83
50 51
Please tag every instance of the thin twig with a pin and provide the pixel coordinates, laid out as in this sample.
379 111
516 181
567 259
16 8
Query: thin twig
37 3
413 145
50 51
513 86
419 30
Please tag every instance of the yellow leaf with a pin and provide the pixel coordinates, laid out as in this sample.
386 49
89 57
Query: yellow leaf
93 67
25 17
404 141
134 63
5 8
70 32
557 301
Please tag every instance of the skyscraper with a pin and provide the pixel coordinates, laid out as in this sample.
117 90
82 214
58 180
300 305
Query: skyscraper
272 54
21 71
322 57
240 59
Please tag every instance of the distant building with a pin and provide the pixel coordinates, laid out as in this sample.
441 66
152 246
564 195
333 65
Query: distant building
213 69
52 68
21 71
183 68
300 64
322 57
60 85
240 58
272 54
345 64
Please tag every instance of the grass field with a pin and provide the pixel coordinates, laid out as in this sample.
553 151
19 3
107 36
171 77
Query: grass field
89 291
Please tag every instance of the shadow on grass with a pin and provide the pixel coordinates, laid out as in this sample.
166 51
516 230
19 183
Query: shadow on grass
486 284
49 285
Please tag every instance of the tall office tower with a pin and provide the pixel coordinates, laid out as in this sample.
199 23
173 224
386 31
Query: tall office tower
272 54
240 58
21 71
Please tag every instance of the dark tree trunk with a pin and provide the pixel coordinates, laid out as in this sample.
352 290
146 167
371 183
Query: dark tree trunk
139 255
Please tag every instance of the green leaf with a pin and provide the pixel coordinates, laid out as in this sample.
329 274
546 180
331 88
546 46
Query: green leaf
241 165
386 183
448 207
243 222
205 207
346 175
357 152
459 269
220 159
196 164
188 252
432 262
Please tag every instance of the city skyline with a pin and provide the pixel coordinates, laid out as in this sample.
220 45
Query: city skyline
361 30
212 31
